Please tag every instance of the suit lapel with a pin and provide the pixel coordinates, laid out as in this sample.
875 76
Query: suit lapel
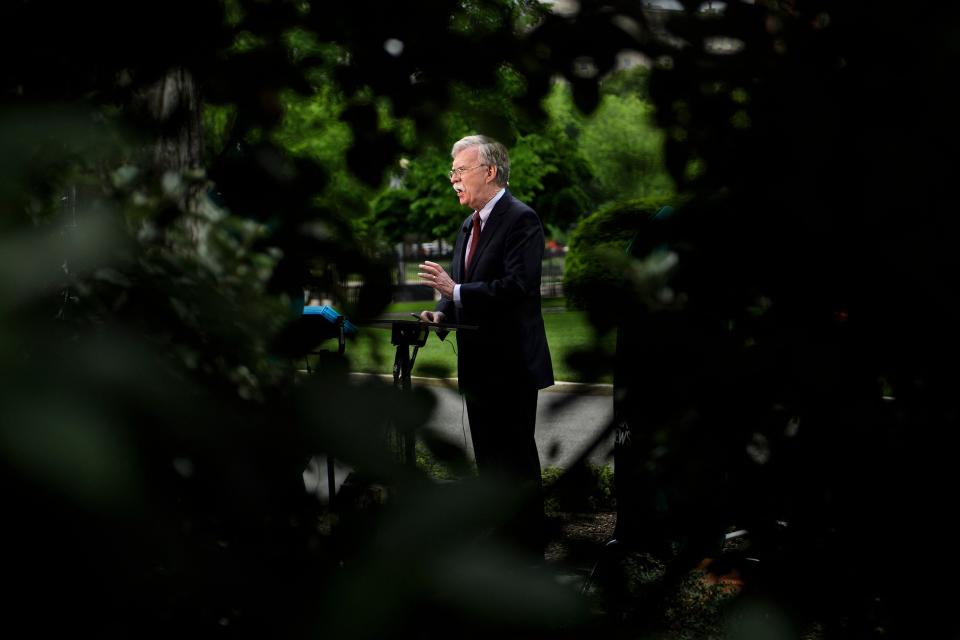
489 229
460 251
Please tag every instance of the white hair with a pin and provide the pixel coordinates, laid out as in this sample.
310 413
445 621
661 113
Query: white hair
489 152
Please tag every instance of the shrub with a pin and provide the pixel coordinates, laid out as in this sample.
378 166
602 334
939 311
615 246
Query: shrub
583 488
597 258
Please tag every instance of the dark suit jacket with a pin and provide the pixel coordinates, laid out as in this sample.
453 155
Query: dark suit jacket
500 293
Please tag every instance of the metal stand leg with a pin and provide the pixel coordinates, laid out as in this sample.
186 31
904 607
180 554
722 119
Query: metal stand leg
331 479
405 336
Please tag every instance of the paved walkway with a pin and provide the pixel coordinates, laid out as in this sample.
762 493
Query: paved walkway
570 416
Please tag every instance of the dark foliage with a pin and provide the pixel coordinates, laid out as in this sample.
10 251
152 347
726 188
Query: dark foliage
787 359
153 429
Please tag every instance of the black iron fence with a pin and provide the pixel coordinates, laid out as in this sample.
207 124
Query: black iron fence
408 287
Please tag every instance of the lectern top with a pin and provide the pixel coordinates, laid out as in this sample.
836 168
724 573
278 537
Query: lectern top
388 323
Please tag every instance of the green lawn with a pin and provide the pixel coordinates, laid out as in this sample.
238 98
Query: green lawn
567 331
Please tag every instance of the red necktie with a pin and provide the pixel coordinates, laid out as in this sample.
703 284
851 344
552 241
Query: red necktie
474 238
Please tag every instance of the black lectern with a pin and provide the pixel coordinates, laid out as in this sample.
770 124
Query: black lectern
405 334
320 323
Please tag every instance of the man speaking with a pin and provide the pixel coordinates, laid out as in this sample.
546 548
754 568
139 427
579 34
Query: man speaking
494 283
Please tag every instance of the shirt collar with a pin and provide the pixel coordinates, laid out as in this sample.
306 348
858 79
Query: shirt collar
487 208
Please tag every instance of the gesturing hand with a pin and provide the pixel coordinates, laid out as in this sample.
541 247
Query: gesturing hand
433 275
432 316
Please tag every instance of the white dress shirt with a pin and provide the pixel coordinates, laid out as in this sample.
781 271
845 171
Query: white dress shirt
484 214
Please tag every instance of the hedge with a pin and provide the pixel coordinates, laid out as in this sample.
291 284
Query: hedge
597 259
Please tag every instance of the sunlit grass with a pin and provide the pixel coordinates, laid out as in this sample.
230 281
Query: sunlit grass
567 331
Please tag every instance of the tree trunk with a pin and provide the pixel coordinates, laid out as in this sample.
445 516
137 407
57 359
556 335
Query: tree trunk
171 110
172 107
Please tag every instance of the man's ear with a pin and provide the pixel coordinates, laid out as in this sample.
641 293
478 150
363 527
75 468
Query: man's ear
492 177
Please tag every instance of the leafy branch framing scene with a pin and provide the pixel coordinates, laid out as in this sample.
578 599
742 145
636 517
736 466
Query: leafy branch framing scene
749 215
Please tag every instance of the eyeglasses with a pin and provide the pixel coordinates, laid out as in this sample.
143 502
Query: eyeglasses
462 170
